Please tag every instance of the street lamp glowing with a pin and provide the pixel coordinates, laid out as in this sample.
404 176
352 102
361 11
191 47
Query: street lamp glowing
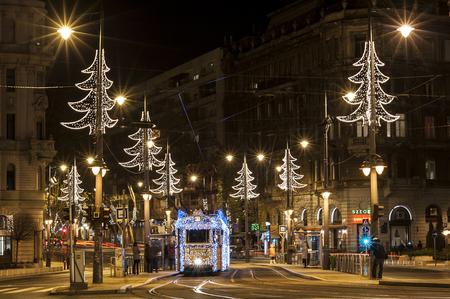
147 196
229 157
140 184
326 195
260 157
278 168
304 143
96 170
193 178
65 32
379 168
63 167
90 160
366 169
405 30
120 100
350 96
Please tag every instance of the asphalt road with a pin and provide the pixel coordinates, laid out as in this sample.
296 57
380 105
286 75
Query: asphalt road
242 281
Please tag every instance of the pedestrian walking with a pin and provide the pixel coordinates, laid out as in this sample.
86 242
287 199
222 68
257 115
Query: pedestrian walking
136 258
378 255
272 254
305 254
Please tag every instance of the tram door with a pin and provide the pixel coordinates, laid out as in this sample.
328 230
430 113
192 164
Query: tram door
218 240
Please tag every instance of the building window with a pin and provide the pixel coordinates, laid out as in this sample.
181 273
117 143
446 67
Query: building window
430 169
388 130
429 127
360 41
196 76
10 79
305 217
8 30
448 126
400 126
10 126
319 216
361 131
11 177
5 246
447 50
336 216
3 222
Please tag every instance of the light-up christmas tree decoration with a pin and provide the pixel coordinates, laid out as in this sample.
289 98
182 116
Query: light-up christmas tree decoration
88 104
244 188
138 150
289 177
362 97
72 182
167 181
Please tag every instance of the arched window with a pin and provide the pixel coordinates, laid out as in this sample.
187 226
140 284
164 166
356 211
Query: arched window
304 217
336 216
3 222
319 216
8 30
11 177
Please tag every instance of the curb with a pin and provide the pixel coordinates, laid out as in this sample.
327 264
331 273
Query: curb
414 284
122 290
301 275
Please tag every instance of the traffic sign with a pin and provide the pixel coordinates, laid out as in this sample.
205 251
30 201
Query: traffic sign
365 222
365 229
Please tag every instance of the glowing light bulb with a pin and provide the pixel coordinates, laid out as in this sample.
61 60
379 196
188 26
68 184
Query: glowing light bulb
150 143
65 32
63 167
304 143
229 157
260 157
96 170
405 30
90 160
350 95
120 100
278 168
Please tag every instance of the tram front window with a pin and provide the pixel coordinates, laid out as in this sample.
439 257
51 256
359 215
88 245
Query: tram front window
197 236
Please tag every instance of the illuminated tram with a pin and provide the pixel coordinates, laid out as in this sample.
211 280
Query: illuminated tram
203 242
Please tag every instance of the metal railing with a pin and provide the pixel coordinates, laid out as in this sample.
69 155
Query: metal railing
355 263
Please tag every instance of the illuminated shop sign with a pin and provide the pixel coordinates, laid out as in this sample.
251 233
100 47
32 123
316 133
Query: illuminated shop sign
359 219
361 212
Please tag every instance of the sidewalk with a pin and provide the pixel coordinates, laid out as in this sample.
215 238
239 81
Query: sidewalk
393 276
115 285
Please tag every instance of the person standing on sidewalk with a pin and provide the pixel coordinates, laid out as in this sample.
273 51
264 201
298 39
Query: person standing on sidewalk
378 255
272 254
136 258
171 254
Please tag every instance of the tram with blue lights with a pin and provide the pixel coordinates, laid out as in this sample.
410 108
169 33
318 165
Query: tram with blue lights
203 242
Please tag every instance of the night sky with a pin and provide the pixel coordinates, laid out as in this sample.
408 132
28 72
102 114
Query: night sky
142 39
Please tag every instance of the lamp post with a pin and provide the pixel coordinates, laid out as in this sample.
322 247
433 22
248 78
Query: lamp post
325 193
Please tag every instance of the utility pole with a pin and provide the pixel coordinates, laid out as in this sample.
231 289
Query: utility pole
325 193
372 134
247 241
147 196
97 276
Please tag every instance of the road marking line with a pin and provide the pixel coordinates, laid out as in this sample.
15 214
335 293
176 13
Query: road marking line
232 275
22 290
276 271
198 290
8 289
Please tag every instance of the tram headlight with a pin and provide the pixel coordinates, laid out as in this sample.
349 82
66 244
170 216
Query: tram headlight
198 261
